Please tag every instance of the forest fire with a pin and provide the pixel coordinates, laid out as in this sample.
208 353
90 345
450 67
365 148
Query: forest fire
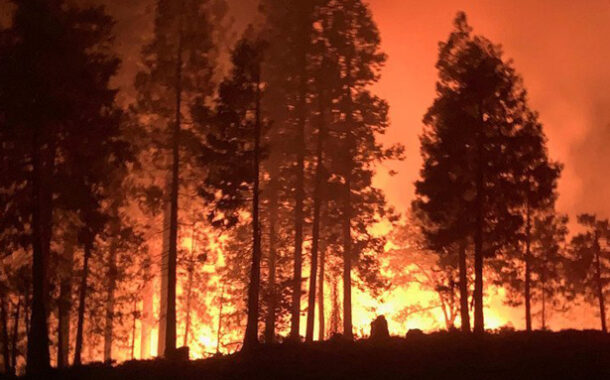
259 184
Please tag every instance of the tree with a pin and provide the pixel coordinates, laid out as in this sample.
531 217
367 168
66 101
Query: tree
477 144
234 152
353 46
181 61
588 265
45 109
549 234
539 183
547 258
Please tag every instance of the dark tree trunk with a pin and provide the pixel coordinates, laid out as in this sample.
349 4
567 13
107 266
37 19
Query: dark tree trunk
170 315
479 322
600 285
464 313
335 312
272 307
251 337
219 328
78 347
527 258
112 279
317 199
133 327
4 325
65 301
38 339
347 214
189 294
15 337
298 208
543 290
321 320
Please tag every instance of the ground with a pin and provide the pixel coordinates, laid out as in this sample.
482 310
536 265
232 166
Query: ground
507 355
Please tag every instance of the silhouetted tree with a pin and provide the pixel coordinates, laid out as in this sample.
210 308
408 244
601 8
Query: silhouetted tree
477 144
234 152
54 116
353 45
589 264
180 66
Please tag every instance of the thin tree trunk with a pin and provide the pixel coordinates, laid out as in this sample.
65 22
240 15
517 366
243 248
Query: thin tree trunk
298 208
189 290
81 303
112 279
317 199
26 308
543 284
65 301
15 337
464 313
4 325
347 214
147 319
321 320
272 307
38 359
133 327
600 285
479 321
219 329
528 305
335 313
170 315
251 336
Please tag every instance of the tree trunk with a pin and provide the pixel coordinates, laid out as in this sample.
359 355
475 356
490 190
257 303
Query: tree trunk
321 320
251 337
272 307
189 290
298 208
170 314
112 279
464 313
335 312
347 213
81 303
65 301
133 327
15 338
527 257
219 328
543 284
479 322
4 325
147 319
600 285
317 199
38 359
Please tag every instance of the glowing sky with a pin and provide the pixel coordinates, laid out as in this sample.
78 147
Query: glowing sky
560 47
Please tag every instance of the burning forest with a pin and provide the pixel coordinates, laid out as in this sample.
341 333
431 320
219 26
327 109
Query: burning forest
217 179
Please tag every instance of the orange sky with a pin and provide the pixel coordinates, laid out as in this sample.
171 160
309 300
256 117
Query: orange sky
562 50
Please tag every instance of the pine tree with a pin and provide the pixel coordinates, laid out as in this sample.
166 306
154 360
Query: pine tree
46 109
181 61
588 263
353 46
234 152
478 142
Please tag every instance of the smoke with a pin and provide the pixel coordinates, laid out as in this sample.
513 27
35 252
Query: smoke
560 47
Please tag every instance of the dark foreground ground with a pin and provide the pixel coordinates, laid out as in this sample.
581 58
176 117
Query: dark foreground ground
564 355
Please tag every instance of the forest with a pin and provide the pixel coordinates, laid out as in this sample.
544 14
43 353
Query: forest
227 202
